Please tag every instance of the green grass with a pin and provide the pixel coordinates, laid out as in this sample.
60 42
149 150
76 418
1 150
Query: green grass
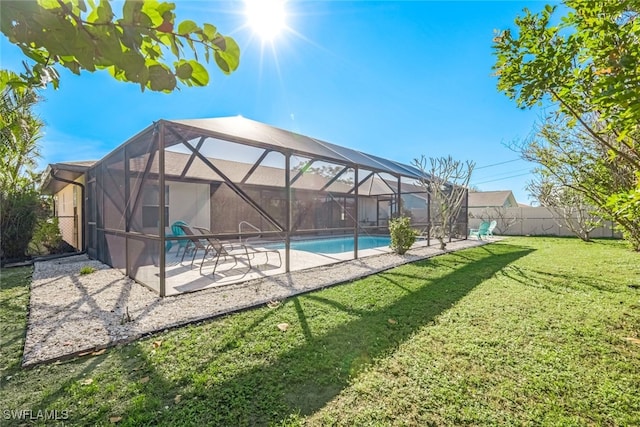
526 331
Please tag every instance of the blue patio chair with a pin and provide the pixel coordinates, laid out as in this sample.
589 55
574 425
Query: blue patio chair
176 230
482 230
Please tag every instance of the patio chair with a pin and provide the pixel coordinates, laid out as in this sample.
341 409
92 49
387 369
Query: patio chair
492 227
193 243
482 230
219 249
176 231
227 249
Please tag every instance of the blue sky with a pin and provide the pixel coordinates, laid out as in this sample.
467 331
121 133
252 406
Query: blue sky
394 79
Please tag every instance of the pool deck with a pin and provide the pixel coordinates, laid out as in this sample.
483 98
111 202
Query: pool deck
72 315
186 277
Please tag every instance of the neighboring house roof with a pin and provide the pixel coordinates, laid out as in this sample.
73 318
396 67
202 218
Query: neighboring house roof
69 171
491 199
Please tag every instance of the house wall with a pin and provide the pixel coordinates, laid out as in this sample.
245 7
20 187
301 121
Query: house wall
68 209
367 211
189 202
523 221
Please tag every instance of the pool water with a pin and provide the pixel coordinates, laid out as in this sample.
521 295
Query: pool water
334 245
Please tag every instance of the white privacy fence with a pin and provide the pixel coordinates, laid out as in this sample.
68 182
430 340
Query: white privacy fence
523 221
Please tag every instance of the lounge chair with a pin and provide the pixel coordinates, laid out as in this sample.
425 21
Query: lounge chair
228 249
193 243
482 230
220 249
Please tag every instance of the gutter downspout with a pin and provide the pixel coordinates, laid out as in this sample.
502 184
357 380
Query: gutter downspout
82 226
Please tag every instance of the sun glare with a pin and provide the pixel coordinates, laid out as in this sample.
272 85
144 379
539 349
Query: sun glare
267 18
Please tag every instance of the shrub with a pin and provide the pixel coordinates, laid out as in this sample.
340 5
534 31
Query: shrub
87 269
402 235
46 237
18 217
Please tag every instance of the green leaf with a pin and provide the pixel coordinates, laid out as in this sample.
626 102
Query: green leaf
199 75
187 27
49 4
209 31
131 11
150 8
174 46
183 70
131 38
229 59
82 5
193 48
37 55
133 65
161 79
220 43
152 51
222 64
73 66
166 10
102 13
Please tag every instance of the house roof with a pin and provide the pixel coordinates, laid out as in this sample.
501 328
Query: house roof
483 199
56 174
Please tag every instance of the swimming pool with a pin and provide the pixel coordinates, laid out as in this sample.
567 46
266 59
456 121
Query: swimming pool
334 245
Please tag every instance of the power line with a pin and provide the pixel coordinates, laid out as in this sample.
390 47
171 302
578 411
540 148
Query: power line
498 164
501 179
499 174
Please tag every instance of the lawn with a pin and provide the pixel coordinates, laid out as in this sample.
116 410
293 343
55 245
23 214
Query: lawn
524 331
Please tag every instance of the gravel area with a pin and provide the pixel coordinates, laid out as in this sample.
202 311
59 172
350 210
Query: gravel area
71 314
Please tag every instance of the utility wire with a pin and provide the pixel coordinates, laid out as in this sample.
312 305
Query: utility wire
497 164
499 174
501 179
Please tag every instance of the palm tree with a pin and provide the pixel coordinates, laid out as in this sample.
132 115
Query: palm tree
20 131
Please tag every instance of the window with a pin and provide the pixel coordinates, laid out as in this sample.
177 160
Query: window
151 205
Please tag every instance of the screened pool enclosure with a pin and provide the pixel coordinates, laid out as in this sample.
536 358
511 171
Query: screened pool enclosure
189 204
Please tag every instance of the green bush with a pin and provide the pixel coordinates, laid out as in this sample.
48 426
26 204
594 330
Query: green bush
87 269
18 217
46 237
402 235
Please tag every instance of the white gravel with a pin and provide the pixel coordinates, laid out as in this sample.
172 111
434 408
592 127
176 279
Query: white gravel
70 313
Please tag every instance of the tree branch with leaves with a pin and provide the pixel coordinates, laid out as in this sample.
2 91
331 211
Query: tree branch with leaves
587 66
88 36
570 207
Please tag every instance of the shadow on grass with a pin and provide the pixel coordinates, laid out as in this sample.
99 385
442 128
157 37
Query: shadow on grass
560 283
302 380
15 277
